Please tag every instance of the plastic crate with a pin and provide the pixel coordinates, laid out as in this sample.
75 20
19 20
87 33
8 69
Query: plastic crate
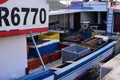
49 35
74 52
40 36
44 49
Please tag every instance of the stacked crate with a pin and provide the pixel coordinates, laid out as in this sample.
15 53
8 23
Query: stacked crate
49 35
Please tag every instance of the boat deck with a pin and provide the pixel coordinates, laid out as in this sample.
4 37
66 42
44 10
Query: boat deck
54 64
48 66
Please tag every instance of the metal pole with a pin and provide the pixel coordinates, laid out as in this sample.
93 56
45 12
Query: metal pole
38 51
64 21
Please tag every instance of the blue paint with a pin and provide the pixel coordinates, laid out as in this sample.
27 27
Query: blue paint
78 5
38 76
44 50
64 71
86 34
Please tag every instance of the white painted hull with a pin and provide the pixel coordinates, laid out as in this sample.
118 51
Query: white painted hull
103 53
81 70
77 68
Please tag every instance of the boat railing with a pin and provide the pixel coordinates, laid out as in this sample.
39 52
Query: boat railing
95 4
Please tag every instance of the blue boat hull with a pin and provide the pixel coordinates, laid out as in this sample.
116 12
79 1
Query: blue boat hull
79 67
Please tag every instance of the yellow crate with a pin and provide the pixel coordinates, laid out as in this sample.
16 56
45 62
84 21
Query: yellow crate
41 36
49 35
52 35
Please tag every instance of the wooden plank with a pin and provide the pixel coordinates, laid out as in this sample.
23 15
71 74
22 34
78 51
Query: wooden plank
69 61
91 42
55 68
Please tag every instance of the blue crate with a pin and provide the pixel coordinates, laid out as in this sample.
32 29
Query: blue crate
44 50
74 52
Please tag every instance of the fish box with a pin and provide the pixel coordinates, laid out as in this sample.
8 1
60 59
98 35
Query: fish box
44 48
74 52
49 35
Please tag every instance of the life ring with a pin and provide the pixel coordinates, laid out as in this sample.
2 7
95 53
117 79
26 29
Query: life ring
84 26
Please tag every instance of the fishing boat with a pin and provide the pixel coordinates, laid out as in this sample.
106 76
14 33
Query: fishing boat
101 48
58 52
74 60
